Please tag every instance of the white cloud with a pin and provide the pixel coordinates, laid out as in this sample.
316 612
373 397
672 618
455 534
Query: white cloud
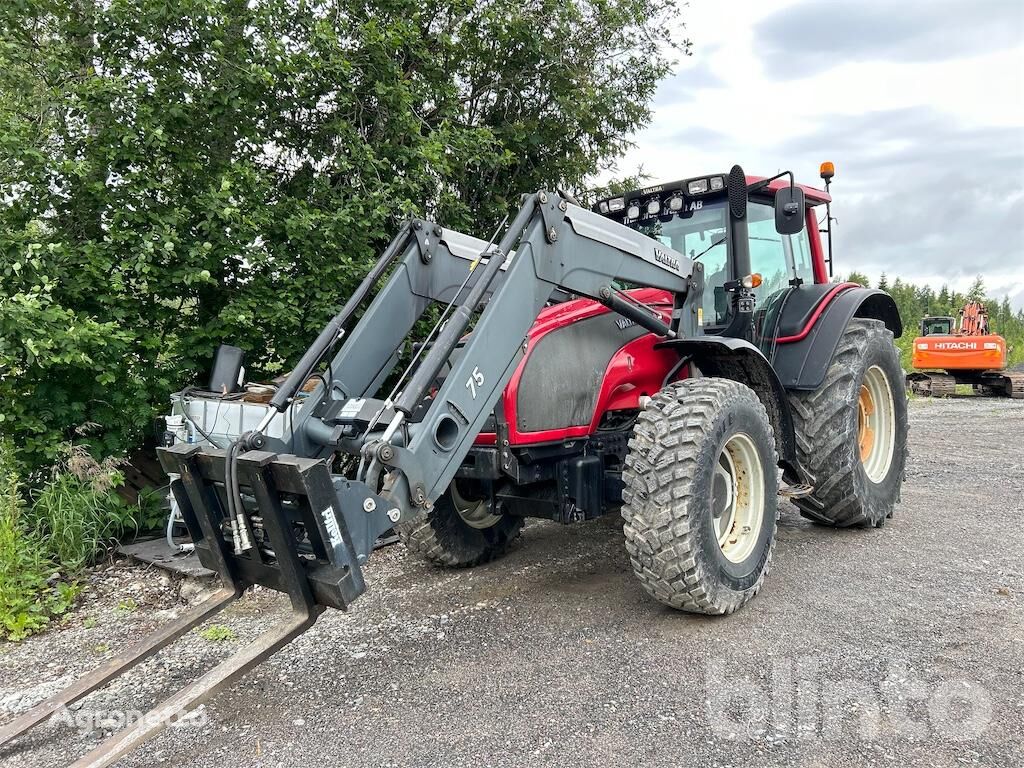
925 119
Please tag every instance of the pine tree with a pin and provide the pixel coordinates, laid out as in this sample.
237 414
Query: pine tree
977 290
1005 310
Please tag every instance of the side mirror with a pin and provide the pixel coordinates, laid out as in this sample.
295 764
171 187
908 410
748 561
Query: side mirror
789 210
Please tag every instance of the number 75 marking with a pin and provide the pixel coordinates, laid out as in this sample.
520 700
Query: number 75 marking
475 380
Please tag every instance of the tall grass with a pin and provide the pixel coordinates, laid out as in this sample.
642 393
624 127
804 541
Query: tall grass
29 594
76 510
48 535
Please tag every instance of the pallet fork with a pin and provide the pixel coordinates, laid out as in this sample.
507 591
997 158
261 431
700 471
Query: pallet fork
334 583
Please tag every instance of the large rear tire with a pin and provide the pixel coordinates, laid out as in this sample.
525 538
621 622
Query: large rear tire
460 530
851 432
700 499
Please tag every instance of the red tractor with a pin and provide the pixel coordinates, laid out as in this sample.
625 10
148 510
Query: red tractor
599 402
677 352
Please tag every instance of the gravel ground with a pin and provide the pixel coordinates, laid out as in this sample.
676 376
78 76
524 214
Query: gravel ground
896 646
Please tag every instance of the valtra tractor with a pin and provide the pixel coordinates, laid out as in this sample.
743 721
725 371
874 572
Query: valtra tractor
676 352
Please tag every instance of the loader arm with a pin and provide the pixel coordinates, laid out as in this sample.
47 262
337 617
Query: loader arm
573 250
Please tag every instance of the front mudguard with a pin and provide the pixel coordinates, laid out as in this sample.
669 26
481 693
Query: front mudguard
739 360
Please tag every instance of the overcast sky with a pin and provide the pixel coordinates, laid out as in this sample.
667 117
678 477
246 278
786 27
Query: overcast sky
919 103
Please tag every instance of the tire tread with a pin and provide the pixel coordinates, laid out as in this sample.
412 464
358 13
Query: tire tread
659 495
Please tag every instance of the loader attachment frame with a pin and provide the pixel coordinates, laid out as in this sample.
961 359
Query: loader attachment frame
240 503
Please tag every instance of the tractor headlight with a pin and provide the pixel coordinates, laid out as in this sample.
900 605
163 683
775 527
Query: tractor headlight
697 187
653 206
717 183
616 204
602 207
633 212
675 203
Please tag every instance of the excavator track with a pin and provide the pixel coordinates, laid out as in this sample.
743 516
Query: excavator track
1008 384
932 384
1000 384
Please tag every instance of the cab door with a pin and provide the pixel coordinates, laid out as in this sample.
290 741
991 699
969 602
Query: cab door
785 264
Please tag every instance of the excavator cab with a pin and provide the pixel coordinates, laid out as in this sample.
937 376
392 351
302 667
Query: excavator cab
936 326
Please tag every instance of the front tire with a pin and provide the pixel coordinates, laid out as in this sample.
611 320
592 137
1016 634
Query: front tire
851 432
462 529
700 499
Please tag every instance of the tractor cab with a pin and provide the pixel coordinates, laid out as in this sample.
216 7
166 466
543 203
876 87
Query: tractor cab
755 239
937 326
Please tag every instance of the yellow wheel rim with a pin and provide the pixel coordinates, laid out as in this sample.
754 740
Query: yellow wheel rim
876 424
865 434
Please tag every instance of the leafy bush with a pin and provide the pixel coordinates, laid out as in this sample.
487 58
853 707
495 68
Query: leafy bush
29 594
151 513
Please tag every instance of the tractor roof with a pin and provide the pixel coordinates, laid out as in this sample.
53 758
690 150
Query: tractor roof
814 196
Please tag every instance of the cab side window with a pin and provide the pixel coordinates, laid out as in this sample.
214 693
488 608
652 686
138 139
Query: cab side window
801 247
776 257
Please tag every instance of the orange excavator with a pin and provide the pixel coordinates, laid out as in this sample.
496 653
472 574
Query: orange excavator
969 353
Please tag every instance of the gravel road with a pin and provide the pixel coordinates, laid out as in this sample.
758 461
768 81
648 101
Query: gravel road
897 646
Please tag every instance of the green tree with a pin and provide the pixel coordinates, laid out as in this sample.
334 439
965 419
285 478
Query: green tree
173 175
860 279
977 290
1005 310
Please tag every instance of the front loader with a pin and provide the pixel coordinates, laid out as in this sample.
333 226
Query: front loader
677 353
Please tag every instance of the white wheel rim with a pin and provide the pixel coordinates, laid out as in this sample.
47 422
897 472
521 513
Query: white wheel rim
475 514
737 498
876 424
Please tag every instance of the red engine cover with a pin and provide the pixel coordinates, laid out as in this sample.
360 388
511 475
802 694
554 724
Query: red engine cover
635 368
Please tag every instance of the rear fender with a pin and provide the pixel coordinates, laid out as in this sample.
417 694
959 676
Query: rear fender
739 360
802 359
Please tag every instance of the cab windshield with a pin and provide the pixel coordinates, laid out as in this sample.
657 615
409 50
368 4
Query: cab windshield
781 260
936 326
702 230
